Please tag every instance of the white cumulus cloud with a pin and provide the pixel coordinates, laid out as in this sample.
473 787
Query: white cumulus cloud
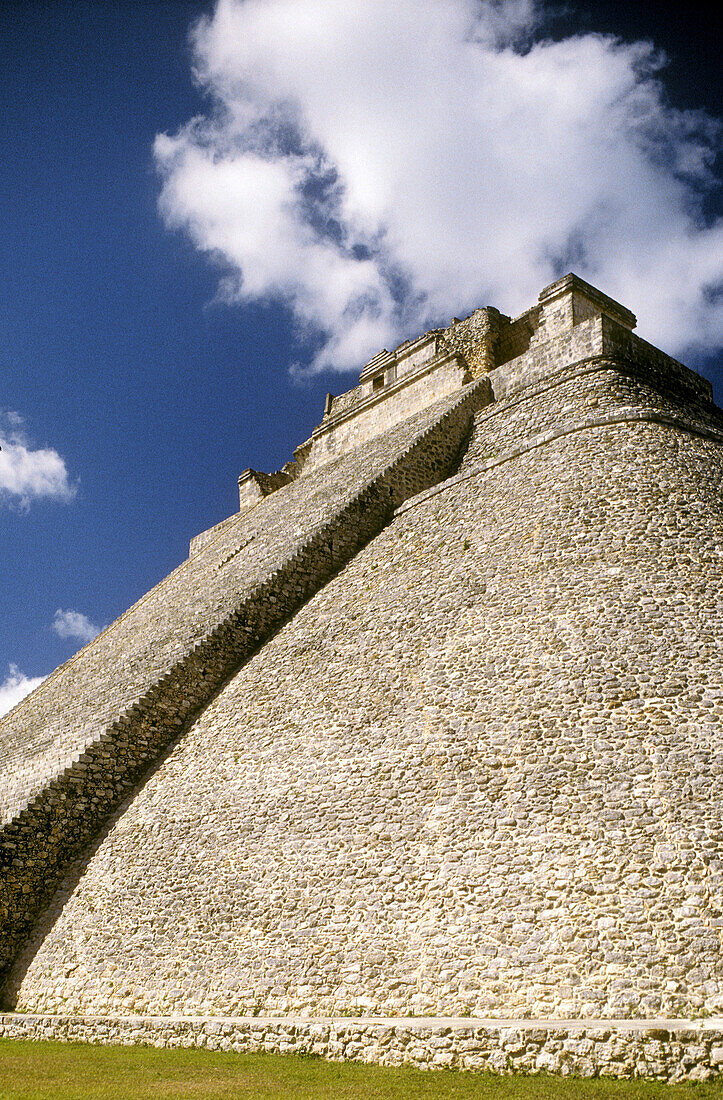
74 624
15 687
28 473
378 167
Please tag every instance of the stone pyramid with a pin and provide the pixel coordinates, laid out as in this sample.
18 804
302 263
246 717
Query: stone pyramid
430 728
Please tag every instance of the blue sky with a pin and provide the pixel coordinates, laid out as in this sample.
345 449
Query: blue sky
149 354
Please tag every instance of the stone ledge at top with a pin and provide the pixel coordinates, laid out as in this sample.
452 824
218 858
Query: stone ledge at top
571 300
561 305
571 321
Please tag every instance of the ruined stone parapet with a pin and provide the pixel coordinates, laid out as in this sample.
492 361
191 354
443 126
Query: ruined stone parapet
475 340
571 321
253 486
395 385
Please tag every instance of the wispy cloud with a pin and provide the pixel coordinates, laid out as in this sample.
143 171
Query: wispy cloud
15 687
74 624
387 165
27 473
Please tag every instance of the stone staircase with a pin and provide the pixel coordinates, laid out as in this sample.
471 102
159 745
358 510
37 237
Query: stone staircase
70 806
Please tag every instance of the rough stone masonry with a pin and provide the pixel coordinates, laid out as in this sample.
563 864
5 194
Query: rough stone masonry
418 756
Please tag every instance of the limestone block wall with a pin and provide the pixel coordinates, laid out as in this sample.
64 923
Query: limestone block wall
413 354
72 750
664 1050
596 391
342 403
546 359
407 359
569 301
666 373
515 335
479 772
600 335
442 377
253 485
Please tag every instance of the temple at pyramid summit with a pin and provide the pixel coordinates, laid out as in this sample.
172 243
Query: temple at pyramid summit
418 756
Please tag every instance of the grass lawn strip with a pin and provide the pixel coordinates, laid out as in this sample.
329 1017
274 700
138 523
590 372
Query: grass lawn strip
78 1071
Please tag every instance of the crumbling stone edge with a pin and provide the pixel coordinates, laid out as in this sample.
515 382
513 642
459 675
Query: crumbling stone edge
666 1050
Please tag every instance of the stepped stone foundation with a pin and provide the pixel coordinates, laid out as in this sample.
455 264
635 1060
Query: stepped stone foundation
667 1050
417 758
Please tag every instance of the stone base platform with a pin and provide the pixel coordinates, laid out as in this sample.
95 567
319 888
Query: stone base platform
664 1049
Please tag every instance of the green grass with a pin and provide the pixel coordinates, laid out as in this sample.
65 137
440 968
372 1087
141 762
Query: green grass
75 1071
